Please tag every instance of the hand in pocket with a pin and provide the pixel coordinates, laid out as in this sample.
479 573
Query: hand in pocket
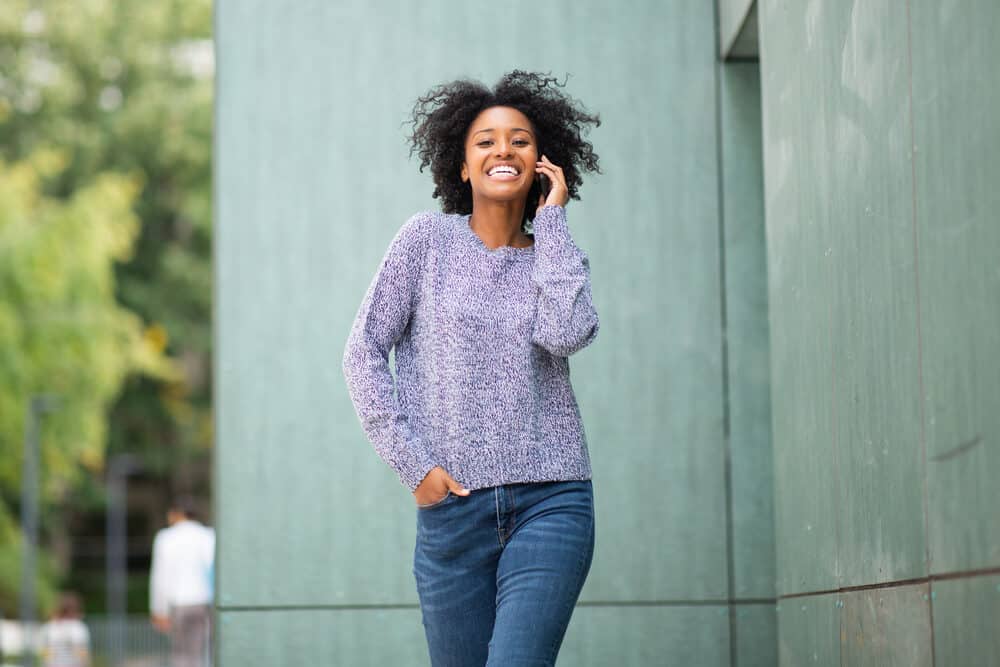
436 486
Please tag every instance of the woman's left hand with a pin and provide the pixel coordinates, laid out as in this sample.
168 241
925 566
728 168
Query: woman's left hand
558 192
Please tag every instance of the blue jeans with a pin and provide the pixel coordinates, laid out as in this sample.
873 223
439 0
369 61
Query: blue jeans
499 572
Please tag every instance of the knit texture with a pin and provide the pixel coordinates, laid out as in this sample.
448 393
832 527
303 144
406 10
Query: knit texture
481 339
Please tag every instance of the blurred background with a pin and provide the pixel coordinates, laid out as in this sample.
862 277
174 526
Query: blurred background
105 288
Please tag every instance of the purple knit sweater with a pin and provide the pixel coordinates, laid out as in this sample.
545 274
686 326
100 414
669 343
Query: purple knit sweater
481 344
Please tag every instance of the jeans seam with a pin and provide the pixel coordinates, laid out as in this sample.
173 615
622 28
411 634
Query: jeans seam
554 648
512 511
496 500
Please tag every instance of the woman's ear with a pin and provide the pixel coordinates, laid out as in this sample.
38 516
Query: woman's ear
465 173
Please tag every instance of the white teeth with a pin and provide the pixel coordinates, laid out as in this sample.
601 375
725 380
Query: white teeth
502 168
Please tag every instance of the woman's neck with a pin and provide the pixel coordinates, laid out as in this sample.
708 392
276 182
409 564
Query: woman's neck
499 223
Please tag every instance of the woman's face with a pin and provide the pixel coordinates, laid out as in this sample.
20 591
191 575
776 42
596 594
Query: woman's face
500 155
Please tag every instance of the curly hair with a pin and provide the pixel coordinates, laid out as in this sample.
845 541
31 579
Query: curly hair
442 117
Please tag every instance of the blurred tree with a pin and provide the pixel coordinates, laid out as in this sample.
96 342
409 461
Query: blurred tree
61 330
122 89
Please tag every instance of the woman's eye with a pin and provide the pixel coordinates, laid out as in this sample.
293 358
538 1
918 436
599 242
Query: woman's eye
521 142
485 143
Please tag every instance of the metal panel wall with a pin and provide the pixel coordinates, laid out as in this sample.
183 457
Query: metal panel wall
880 137
312 182
956 136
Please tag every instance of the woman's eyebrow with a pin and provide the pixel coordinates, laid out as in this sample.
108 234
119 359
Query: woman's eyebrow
513 129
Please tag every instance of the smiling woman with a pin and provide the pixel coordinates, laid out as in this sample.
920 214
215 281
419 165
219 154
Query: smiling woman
443 117
501 161
483 304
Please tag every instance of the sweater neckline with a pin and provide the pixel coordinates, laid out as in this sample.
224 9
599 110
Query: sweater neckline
471 235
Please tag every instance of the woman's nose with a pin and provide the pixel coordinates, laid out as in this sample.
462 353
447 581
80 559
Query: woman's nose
503 149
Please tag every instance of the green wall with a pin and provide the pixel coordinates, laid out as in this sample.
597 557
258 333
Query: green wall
313 180
738 29
880 144
879 186
746 386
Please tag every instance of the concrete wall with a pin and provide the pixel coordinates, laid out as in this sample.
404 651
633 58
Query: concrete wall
313 180
880 140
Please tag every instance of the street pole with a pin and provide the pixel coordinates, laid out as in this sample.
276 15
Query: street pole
117 551
37 406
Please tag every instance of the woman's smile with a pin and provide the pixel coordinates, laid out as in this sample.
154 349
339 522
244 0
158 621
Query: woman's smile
503 172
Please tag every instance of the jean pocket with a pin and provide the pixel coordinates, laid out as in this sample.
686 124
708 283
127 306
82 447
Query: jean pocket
437 503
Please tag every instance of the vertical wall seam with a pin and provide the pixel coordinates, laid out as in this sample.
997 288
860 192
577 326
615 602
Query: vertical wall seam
727 476
723 323
727 473
218 639
216 503
920 342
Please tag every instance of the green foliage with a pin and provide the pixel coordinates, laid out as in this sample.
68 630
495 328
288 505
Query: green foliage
105 236
62 331
11 549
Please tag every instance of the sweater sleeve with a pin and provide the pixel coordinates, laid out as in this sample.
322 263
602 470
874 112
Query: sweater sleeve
566 320
381 320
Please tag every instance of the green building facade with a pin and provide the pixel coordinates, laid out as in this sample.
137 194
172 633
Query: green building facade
792 406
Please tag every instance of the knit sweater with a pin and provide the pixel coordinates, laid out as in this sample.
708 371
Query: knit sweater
481 337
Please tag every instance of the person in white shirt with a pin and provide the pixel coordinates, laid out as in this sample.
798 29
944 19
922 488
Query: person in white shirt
65 639
180 584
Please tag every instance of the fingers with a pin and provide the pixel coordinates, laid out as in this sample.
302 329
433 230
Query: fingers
436 485
550 170
555 173
546 161
559 192
455 487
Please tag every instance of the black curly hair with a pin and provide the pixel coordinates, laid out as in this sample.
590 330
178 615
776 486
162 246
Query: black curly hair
442 117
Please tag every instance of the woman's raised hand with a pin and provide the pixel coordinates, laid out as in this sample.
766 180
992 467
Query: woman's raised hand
436 486
558 191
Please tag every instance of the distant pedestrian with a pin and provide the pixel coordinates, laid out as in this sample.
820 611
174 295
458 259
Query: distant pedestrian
180 585
65 639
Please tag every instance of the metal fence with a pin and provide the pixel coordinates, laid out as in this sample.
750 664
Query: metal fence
137 642
134 640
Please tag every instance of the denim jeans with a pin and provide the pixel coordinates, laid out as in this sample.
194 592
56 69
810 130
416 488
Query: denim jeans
499 572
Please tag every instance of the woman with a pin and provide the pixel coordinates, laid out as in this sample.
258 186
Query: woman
483 426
